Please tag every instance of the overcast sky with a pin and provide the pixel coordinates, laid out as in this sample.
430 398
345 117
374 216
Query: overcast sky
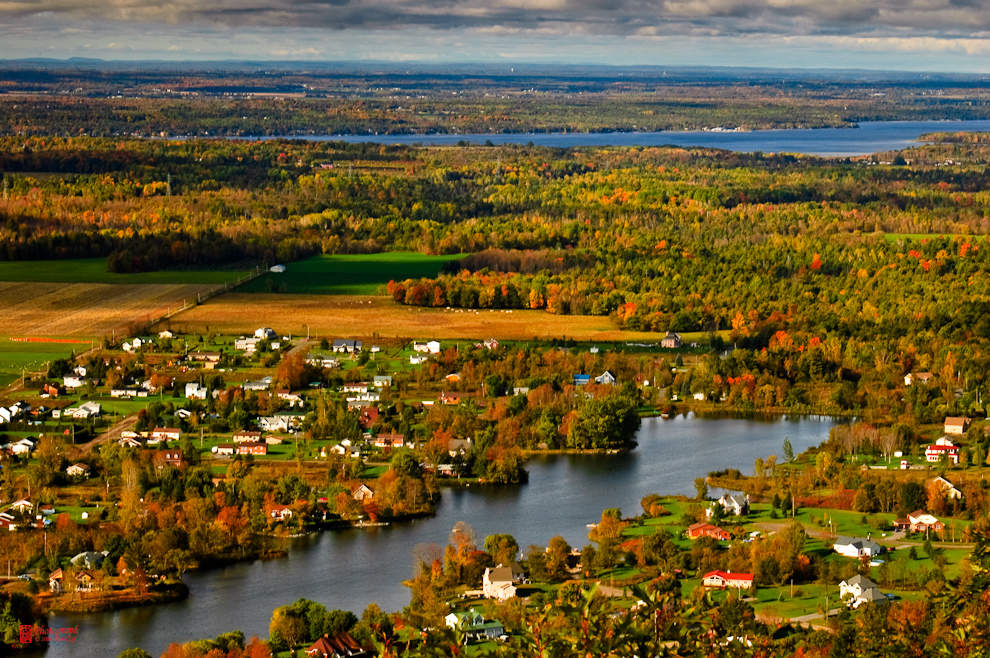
935 35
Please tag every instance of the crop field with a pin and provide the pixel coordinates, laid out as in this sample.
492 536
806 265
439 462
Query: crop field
360 316
89 310
357 274
94 270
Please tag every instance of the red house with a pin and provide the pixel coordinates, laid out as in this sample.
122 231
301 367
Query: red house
252 448
708 530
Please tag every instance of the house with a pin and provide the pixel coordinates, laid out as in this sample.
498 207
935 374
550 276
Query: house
294 399
129 442
381 381
671 341
166 433
943 446
415 360
956 425
73 381
246 437
166 334
280 512
453 377
725 579
474 626
581 380
253 448
84 411
349 346
608 378
22 447
78 470
520 390
497 583
223 449
707 530
265 333
921 521
7 521
195 392
22 506
948 489
859 590
55 583
362 492
247 345
390 441
449 398
257 386
85 580
733 504
920 377
459 446
856 547
367 417
210 358
283 422
163 458
341 645
277 269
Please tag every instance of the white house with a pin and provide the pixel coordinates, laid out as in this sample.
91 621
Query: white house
725 579
497 583
943 446
608 378
22 447
956 425
736 505
429 347
859 590
73 381
856 547
948 489
78 470
265 332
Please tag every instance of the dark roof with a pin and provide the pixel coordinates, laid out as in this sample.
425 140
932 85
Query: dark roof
341 644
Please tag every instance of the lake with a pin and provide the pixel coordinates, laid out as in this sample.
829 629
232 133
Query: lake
350 569
868 137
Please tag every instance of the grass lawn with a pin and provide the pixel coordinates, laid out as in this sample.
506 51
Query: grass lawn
914 237
31 356
356 274
94 270
777 601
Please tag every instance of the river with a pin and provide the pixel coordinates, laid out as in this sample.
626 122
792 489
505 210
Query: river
867 137
350 569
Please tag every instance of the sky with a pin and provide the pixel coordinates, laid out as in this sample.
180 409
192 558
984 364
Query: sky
923 35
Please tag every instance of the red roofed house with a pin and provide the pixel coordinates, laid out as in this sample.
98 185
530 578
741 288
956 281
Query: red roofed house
368 417
341 645
174 458
723 579
707 530
280 512
941 447
390 441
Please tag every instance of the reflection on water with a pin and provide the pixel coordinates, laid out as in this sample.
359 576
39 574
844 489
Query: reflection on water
352 568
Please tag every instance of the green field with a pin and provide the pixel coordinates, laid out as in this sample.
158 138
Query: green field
31 357
916 237
94 270
357 274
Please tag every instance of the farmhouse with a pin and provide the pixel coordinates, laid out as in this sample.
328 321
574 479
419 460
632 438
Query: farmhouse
707 530
429 347
497 583
223 449
859 590
671 340
921 521
856 547
943 446
724 579
956 425
83 411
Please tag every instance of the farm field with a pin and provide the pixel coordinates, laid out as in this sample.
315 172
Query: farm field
94 270
362 316
89 310
356 274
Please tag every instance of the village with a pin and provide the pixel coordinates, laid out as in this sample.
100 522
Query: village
104 441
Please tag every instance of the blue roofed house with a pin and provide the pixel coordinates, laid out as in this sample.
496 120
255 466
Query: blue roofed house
581 380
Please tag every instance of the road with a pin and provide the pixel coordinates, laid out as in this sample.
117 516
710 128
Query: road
113 432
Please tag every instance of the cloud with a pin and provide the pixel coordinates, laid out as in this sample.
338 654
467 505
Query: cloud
866 18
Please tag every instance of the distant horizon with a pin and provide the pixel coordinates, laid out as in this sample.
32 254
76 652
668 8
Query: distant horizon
486 64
